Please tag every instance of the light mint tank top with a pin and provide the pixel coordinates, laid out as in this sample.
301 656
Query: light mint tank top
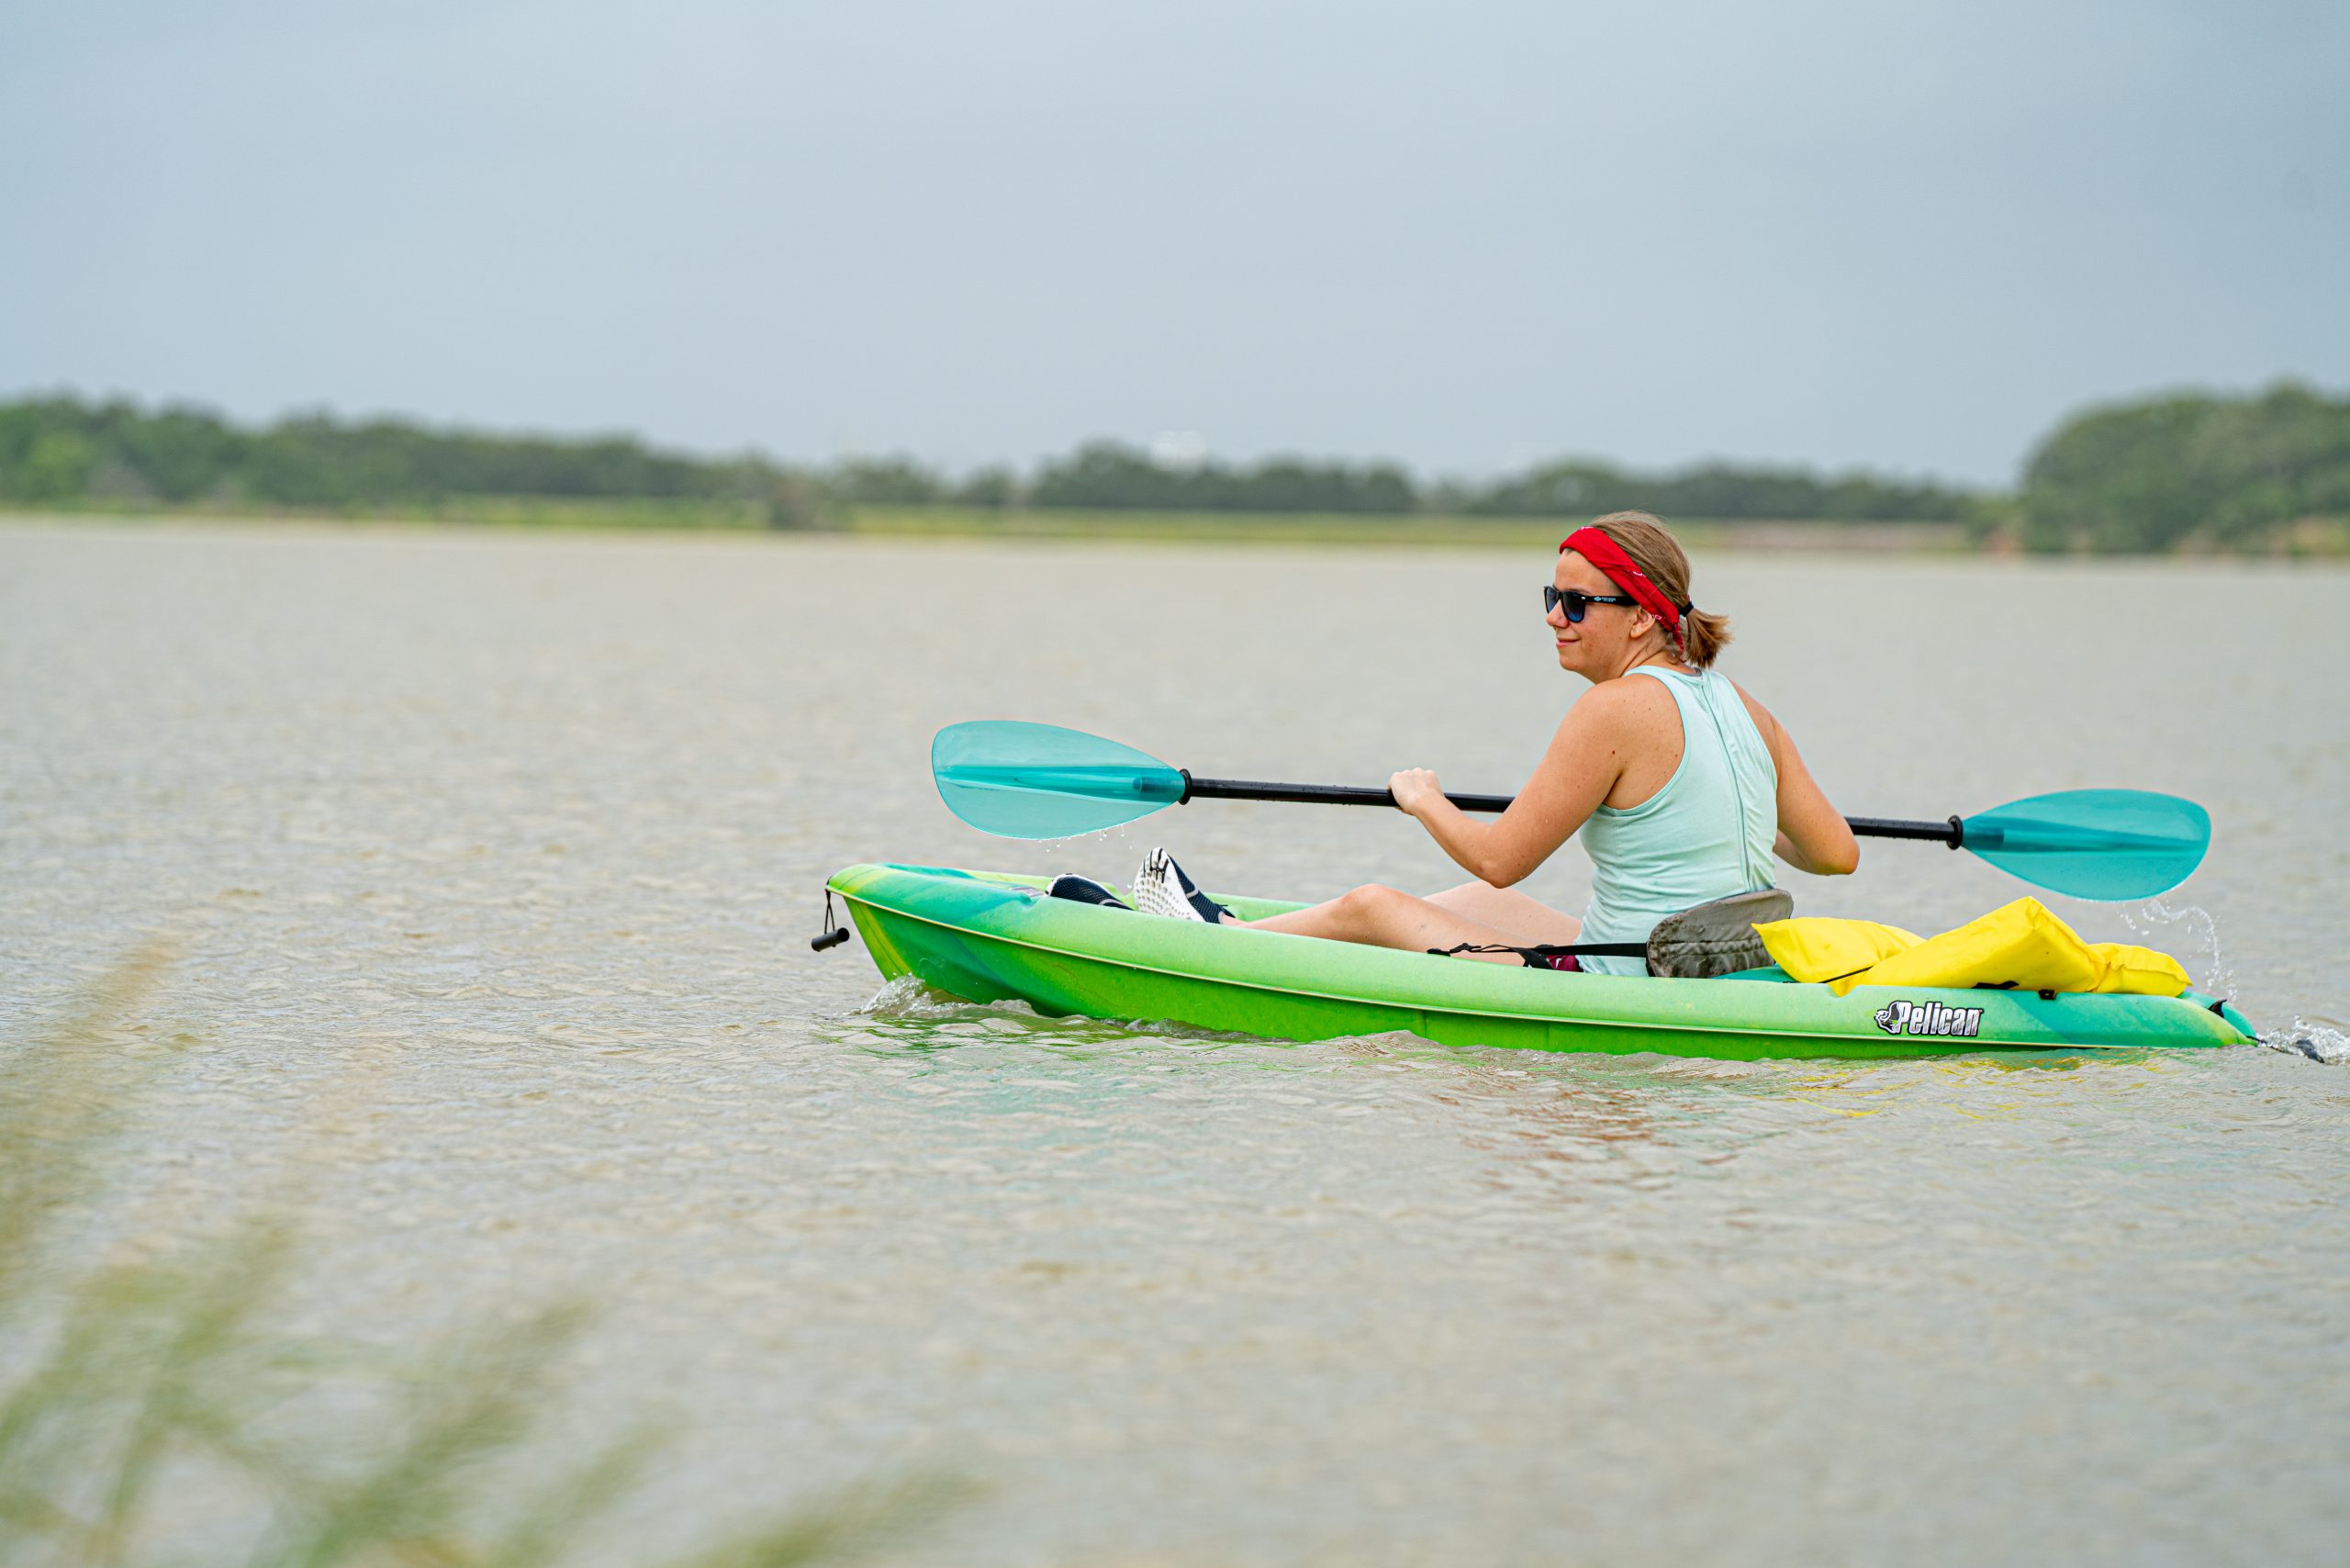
1707 835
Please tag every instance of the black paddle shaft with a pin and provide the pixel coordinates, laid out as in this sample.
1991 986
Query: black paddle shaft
1952 832
1318 794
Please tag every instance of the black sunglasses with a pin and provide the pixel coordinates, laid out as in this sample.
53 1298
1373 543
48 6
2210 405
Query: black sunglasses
1577 601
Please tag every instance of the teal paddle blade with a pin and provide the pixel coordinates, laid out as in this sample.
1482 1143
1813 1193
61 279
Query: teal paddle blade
2095 844
1020 780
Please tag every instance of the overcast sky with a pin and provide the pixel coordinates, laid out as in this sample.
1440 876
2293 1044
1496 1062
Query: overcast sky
1466 236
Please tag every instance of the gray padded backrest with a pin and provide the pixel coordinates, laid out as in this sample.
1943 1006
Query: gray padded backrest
1716 938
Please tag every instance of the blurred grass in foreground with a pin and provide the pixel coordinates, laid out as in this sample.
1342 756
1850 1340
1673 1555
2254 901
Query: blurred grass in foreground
146 1403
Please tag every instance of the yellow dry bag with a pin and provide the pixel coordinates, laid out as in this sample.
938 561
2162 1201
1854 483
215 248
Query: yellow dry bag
2023 945
1816 948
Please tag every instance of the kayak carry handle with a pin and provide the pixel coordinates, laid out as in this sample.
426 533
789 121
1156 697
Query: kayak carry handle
834 932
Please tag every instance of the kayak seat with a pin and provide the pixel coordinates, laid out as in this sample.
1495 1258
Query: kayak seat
1718 938
1703 943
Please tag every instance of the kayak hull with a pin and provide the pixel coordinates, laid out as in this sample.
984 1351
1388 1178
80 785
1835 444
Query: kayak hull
995 937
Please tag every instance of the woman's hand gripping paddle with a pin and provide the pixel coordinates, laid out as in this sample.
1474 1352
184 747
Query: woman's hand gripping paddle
1022 780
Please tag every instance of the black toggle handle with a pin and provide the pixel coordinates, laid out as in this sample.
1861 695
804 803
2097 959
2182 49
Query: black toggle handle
835 933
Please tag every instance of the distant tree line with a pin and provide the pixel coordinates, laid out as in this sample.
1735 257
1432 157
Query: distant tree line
1720 491
2192 470
2145 476
63 450
1110 477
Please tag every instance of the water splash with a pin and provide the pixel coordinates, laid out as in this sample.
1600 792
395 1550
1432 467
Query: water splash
907 1000
1103 854
2319 1042
2154 921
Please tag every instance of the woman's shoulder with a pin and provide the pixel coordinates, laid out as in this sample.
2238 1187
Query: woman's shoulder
1629 701
1629 690
1765 724
1648 688
1761 715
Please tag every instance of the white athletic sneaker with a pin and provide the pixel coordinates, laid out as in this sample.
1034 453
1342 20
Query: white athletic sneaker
1161 888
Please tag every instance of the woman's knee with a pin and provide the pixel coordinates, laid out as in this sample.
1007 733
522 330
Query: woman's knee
1369 902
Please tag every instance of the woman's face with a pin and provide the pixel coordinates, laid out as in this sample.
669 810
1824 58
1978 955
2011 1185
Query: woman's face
1602 644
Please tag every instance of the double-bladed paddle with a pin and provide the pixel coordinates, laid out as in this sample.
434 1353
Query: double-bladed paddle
1022 780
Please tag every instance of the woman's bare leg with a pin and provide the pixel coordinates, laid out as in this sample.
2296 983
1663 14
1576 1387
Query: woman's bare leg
1383 917
1531 921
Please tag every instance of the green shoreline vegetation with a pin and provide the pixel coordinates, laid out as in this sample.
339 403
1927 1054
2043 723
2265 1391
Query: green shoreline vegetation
2266 473
1420 529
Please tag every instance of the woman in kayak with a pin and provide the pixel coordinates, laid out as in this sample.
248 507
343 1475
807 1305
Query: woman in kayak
1680 783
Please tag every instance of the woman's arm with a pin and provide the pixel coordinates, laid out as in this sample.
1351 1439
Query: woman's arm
1813 835
1586 757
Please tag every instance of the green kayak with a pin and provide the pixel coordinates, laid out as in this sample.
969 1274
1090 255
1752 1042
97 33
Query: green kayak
987 937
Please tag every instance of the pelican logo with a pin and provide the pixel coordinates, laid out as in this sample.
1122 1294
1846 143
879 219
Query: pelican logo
1929 1018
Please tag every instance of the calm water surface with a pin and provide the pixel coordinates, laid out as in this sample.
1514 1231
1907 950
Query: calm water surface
492 861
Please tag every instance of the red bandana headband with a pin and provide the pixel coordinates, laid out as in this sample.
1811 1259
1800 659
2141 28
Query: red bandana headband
1606 554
